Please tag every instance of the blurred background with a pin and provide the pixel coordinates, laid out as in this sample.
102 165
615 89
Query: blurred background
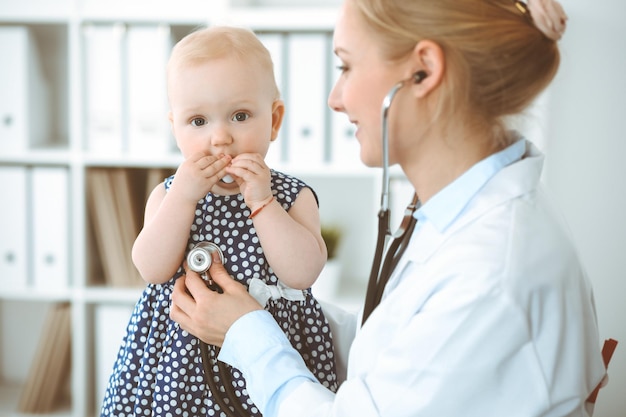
585 166
84 137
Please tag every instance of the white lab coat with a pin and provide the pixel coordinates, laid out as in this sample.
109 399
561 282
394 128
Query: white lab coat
492 316
488 314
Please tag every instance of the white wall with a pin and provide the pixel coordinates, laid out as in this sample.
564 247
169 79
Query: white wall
586 165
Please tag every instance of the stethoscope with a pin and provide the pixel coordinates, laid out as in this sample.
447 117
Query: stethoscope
397 242
199 259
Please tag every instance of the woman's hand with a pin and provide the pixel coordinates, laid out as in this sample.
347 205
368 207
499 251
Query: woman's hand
207 314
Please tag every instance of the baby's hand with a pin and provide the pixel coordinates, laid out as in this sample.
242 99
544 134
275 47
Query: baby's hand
197 175
253 177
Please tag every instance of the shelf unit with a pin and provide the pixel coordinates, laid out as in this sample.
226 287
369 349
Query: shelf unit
57 31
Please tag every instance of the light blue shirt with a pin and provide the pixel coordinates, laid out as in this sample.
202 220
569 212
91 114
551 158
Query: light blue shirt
446 206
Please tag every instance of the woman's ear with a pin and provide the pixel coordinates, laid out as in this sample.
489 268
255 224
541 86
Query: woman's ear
428 62
278 111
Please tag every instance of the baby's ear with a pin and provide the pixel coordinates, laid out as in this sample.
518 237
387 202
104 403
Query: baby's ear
278 111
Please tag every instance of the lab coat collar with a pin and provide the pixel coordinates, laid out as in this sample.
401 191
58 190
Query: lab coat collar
497 179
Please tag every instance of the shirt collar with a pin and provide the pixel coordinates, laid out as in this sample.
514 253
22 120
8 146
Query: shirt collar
445 206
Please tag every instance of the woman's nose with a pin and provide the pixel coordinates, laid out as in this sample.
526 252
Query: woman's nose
334 98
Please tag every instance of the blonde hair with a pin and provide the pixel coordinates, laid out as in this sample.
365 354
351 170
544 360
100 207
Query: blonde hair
218 42
497 61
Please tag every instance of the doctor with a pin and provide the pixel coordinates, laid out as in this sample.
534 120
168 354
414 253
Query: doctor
489 312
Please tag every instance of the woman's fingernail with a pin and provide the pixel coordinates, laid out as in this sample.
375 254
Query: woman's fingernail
216 257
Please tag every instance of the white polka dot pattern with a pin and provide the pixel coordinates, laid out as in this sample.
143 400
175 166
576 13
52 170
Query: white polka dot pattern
158 371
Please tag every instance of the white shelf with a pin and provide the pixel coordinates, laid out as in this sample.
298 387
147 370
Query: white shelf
35 11
284 18
108 295
131 161
33 294
148 10
37 157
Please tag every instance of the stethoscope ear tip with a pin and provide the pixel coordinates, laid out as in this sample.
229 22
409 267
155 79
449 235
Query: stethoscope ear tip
419 76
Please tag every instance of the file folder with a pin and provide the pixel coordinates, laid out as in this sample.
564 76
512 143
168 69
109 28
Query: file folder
23 92
103 68
50 227
147 50
306 98
110 322
13 228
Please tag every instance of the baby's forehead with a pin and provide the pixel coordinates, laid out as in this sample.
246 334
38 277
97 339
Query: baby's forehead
234 65
223 78
233 60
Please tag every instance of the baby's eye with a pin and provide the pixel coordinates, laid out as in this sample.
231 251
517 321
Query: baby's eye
240 117
198 121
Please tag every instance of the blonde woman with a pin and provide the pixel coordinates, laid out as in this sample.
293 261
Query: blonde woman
489 312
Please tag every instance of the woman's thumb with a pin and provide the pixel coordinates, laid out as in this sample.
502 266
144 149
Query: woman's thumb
217 271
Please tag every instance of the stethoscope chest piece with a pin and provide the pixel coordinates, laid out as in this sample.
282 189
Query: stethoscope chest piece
200 258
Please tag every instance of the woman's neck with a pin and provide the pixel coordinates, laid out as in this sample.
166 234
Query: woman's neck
440 159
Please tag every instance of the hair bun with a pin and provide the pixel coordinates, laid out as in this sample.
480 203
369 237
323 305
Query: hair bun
549 17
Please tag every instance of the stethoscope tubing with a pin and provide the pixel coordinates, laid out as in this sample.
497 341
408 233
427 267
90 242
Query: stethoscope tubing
398 241
384 196
199 260
237 409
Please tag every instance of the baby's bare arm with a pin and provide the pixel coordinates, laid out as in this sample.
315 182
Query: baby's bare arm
159 249
292 241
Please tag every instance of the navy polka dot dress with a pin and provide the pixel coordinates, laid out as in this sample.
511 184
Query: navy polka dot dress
159 369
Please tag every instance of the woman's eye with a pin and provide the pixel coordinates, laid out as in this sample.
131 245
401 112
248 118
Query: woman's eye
198 121
240 117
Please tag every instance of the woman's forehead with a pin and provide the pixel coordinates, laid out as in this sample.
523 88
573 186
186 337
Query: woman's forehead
350 31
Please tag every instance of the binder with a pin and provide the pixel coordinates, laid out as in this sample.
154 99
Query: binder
127 221
24 92
102 214
276 153
103 69
306 98
50 227
13 228
147 51
115 227
345 148
49 371
110 324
